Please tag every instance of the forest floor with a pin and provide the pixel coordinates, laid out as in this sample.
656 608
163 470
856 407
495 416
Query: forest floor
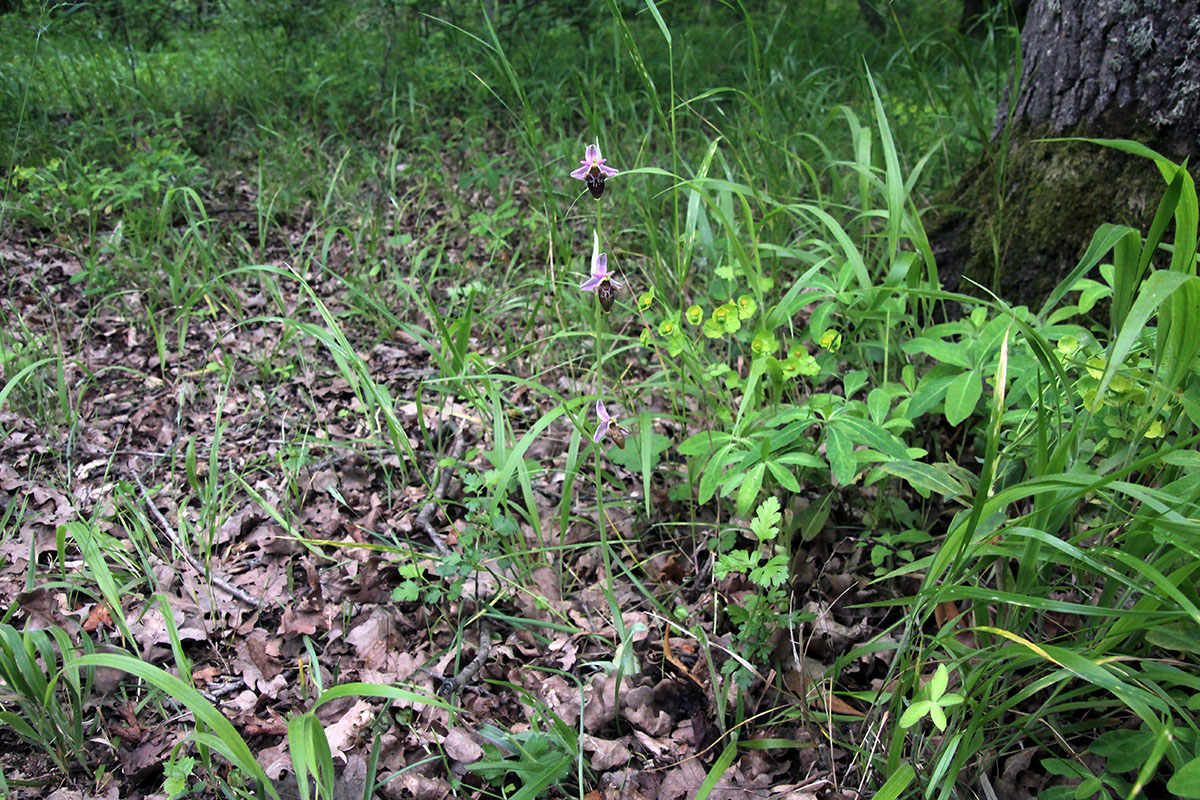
234 476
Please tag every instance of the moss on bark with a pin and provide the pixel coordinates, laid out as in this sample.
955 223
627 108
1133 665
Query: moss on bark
1021 239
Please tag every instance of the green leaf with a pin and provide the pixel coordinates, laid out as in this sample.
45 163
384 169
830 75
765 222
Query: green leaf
703 442
1069 769
1186 782
878 403
712 472
801 459
783 476
772 574
930 390
1177 638
952 353
748 491
939 682
937 716
853 381
1125 750
1156 288
229 742
662 25
925 478
719 768
840 452
962 395
765 524
896 783
863 431
915 713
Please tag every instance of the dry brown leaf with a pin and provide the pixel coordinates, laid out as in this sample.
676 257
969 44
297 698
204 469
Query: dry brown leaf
835 704
459 745
372 636
606 753
418 787
346 734
682 780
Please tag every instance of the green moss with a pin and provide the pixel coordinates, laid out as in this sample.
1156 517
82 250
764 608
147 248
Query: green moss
1018 232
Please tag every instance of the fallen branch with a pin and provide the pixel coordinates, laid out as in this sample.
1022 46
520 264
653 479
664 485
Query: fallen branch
217 581
439 494
451 686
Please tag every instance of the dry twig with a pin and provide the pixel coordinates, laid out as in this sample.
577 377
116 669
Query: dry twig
439 494
452 685
217 581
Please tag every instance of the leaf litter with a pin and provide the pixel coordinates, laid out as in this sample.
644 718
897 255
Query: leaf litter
299 560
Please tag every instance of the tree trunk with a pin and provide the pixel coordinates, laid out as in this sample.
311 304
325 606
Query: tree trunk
1092 68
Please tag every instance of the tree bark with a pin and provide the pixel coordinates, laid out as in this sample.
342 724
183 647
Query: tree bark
1091 68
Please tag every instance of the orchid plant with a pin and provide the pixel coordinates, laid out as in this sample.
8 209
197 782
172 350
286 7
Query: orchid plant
593 171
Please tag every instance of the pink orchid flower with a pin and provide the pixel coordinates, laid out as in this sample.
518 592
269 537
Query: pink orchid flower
593 171
605 421
608 427
602 282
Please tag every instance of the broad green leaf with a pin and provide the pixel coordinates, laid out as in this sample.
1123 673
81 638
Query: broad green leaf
810 460
1176 638
840 452
783 476
878 403
925 478
962 395
954 353
703 442
748 491
863 431
713 470
938 716
930 390
914 713
1186 782
939 682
